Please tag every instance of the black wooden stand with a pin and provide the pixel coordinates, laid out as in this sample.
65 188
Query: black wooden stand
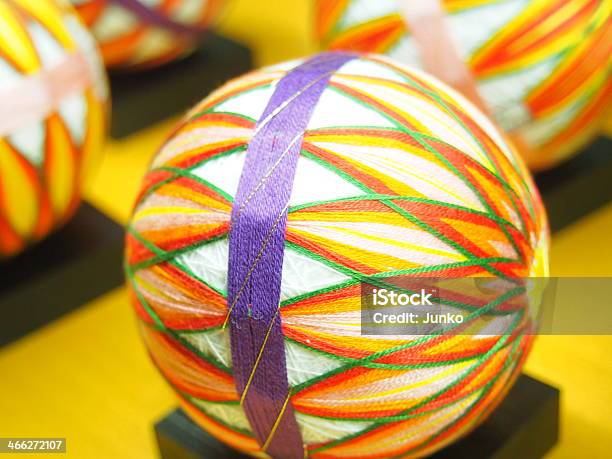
140 99
78 263
578 186
525 425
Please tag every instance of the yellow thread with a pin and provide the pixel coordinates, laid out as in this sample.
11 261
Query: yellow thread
276 423
248 384
246 278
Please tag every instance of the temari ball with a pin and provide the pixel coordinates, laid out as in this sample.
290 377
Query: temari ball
269 205
540 68
136 34
53 104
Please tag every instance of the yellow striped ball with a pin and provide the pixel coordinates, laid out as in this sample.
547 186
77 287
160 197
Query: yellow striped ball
542 67
130 39
52 119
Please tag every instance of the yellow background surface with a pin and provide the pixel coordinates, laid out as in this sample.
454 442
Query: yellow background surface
87 377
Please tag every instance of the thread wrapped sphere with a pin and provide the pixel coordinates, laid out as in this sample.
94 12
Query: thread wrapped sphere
541 67
52 117
136 34
398 174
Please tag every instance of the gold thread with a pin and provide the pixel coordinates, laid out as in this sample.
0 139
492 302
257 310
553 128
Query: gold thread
248 275
276 423
261 350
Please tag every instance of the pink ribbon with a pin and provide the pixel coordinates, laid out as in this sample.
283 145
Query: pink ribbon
439 52
34 97
441 58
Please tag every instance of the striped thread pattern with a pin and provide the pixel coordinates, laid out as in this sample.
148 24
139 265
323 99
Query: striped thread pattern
397 176
133 34
542 66
53 121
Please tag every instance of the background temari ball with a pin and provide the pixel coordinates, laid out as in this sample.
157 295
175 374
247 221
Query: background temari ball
52 117
146 33
292 184
541 67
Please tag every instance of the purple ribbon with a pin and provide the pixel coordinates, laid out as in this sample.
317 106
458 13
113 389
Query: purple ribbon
156 18
256 248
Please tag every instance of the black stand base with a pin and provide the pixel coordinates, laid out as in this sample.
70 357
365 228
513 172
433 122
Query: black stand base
579 186
76 264
144 98
525 425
